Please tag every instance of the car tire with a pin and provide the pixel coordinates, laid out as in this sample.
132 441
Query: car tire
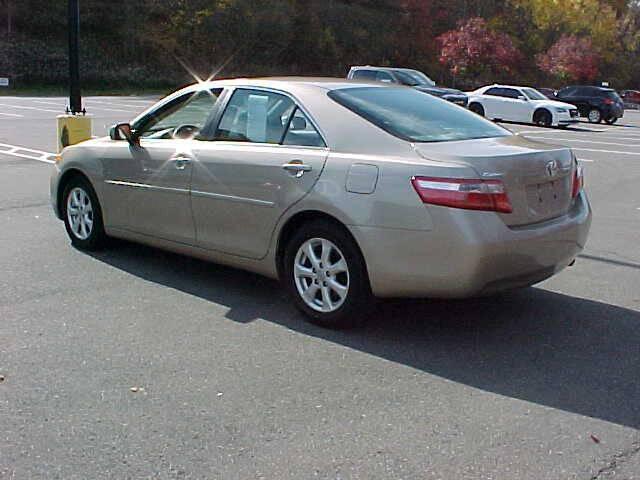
542 118
594 116
326 275
611 120
477 109
82 215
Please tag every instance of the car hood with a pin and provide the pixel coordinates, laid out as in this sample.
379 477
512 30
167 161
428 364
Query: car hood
552 103
440 91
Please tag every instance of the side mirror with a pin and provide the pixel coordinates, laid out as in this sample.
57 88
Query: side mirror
123 131
522 97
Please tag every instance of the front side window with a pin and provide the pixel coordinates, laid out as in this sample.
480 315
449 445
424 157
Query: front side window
255 116
533 94
188 112
419 77
510 93
407 79
384 77
364 75
414 116
568 92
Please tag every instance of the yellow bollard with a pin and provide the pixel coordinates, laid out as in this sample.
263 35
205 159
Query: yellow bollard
73 129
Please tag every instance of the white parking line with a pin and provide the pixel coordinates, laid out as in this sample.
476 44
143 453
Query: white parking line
57 104
89 107
560 131
606 151
23 152
133 100
587 141
29 108
11 114
115 104
618 136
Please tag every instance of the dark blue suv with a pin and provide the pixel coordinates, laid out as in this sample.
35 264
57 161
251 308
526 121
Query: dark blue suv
595 103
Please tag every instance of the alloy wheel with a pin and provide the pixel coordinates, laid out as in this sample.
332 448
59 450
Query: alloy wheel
80 213
321 275
595 116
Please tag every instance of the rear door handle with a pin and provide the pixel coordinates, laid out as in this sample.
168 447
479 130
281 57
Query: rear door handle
297 169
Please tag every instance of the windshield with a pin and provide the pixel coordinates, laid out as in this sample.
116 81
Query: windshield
414 78
415 116
534 94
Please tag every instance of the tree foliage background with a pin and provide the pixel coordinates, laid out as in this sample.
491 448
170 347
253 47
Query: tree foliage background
152 43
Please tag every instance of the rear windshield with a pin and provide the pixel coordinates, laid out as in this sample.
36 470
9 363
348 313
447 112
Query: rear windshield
612 95
415 116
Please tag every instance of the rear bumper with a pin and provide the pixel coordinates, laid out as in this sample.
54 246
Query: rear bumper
470 253
613 111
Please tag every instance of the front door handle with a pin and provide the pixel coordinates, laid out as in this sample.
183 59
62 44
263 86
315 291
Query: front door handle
297 169
181 161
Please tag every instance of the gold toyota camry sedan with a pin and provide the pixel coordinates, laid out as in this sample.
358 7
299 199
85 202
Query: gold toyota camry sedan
343 190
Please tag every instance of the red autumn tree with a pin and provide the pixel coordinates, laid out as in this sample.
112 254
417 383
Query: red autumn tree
415 31
475 51
570 59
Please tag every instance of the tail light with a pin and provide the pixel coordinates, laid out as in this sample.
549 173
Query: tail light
469 194
578 181
608 101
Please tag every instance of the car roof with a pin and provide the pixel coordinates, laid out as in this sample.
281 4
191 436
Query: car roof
506 86
324 83
386 69
604 89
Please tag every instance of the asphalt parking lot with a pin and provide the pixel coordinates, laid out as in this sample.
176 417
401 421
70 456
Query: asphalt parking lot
231 383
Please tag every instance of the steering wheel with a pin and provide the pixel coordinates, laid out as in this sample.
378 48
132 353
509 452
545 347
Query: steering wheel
185 132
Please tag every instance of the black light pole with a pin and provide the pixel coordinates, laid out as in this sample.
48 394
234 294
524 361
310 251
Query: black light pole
75 97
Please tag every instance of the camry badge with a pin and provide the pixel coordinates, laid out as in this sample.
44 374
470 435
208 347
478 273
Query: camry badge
552 168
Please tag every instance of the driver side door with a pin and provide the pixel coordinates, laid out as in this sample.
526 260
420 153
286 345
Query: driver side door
518 105
149 184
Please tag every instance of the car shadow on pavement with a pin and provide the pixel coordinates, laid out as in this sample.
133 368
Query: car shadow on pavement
551 349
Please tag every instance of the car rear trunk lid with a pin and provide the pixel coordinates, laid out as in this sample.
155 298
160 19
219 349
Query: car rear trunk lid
537 177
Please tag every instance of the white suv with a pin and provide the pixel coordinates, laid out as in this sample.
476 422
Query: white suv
521 104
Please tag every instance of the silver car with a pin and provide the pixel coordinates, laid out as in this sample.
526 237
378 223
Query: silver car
343 190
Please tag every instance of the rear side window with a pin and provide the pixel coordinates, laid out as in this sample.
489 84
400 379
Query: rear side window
415 116
495 91
588 91
301 132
